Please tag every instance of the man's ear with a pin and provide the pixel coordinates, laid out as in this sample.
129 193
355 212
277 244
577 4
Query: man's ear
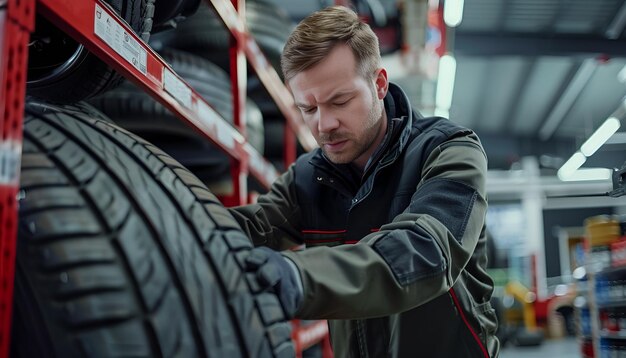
381 83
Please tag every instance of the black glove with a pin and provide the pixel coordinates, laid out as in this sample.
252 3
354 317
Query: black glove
273 271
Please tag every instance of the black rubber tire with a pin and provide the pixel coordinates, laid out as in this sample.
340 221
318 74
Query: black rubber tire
204 34
130 108
174 9
275 143
259 94
85 75
206 78
123 252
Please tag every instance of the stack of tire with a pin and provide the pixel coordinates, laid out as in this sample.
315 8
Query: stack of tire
64 71
133 109
121 250
204 35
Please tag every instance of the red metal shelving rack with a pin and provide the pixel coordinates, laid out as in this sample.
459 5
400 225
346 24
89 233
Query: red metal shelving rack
85 21
16 23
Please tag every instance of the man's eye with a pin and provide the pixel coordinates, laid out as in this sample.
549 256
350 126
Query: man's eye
342 103
308 110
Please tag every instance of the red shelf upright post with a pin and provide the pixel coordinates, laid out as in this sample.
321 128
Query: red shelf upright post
16 22
239 168
265 72
81 20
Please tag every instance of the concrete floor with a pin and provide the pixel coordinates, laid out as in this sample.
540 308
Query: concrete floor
552 348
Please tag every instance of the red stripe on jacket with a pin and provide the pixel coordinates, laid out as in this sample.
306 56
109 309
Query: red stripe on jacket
458 307
324 231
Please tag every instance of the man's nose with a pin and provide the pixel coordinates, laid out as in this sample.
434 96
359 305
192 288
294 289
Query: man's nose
327 121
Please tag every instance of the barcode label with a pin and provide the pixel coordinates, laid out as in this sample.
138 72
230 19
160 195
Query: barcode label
9 162
223 132
114 35
177 88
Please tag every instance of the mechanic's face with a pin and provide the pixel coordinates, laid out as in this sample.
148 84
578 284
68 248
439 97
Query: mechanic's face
343 110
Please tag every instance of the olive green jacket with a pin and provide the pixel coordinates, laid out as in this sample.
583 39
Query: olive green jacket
394 259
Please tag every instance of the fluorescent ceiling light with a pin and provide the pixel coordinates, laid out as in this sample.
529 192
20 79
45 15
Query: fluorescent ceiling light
453 12
445 82
616 27
621 75
600 136
439 112
572 165
589 174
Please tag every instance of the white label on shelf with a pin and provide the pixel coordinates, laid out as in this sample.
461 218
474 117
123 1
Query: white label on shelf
9 162
224 135
177 88
114 35
255 162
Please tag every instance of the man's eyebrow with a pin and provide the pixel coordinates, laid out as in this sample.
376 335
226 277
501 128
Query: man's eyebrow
330 99
339 94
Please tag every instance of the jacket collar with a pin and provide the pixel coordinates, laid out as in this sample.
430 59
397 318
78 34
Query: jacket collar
401 122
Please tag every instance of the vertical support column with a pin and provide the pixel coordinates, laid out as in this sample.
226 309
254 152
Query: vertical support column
238 75
532 206
16 23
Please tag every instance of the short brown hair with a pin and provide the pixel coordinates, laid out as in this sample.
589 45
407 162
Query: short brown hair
316 35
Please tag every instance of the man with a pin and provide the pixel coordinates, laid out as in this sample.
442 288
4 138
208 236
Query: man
391 208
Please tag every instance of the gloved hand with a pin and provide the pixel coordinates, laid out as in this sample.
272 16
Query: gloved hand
275 272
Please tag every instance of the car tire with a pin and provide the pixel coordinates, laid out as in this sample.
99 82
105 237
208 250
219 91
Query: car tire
136 111
121 251
64 71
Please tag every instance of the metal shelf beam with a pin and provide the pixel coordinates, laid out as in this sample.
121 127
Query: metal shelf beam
98 28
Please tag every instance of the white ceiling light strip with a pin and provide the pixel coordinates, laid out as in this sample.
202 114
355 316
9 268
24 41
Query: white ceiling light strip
445 85
583 174
571 166
616 27
453 12
600 136
571 171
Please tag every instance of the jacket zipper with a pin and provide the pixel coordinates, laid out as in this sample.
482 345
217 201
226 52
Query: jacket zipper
356 201
361 339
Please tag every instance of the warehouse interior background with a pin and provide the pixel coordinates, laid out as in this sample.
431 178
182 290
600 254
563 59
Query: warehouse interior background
536 79
542 82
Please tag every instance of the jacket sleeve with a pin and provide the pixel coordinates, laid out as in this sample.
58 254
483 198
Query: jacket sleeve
413 259
273 220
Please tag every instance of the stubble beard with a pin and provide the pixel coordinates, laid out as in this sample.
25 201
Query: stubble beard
361 143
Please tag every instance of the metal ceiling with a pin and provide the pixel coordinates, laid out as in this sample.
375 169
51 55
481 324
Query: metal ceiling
537 77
